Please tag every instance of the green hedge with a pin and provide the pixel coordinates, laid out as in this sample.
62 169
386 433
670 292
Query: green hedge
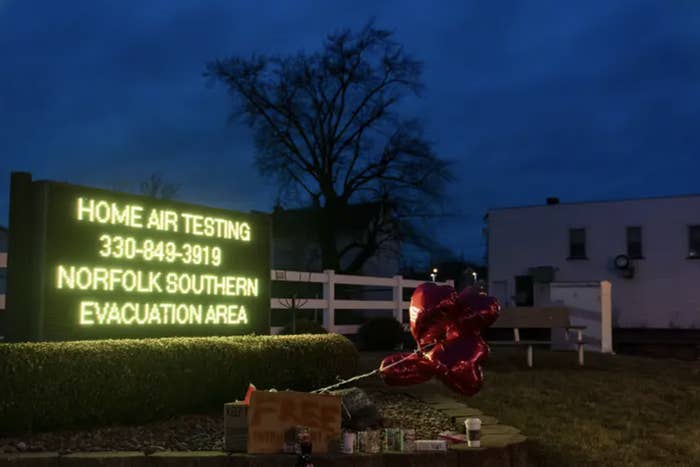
64 384
381 333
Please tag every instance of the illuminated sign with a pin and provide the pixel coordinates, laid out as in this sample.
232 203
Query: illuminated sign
88 263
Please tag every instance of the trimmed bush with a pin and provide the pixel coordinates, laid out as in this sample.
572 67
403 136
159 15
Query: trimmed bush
65 384
381 333
304 326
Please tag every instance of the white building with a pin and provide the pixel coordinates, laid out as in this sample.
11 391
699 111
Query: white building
580 242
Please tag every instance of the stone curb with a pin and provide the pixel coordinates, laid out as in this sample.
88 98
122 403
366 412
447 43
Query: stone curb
510 456
503 445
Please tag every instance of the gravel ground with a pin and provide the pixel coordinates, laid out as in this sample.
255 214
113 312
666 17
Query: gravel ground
205 432
403 411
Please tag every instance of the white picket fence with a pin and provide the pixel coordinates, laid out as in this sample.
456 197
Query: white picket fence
328 303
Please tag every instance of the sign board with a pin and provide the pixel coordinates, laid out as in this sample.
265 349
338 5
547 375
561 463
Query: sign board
86 263
272 414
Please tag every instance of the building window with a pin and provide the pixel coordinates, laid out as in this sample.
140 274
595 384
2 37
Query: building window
524 291
634 242
577 243
694 241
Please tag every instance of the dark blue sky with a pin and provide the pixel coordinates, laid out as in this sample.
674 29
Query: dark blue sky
584 100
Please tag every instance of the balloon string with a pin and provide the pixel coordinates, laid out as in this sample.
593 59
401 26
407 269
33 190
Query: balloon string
375 371
345 381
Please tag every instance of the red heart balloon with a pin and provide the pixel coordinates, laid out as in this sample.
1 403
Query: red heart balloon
414 369
453 323
473 311
427 312
458 363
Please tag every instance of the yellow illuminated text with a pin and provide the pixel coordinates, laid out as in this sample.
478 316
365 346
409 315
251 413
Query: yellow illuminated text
138 281
134 313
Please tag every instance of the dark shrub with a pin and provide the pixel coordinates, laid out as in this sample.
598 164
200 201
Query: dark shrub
63 384
304 326
382 333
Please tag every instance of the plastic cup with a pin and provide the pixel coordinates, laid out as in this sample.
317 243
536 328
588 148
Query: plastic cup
472 426
349 440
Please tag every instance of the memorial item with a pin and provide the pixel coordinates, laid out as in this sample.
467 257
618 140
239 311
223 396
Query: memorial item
369 441
452 437
349 440
291 440
305 447
359 412
447 328
236 423
408 441
361 441
272 415
431 445
473 429
393 440
374 442
236 426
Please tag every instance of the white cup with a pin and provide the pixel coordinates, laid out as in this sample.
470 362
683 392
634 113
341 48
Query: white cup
348 442
472 427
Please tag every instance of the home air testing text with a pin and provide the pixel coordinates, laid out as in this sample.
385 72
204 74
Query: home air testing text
206 237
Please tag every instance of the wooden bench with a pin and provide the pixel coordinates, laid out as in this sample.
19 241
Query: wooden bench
536 318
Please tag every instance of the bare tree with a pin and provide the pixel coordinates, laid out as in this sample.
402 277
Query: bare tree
326 125
156 187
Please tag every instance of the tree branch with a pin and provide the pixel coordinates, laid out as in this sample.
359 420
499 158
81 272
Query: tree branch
325 125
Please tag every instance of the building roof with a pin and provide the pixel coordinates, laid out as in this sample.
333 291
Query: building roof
575 203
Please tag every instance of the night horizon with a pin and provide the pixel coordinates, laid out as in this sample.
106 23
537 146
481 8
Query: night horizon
586 104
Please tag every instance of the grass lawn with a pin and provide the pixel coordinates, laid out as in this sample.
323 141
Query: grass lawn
615 411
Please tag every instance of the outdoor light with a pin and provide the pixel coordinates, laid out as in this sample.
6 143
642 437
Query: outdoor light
622 261
433 275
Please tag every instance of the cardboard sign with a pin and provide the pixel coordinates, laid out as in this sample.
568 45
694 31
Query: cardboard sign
272 414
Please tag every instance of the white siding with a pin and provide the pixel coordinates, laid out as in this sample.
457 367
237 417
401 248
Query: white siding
665 291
